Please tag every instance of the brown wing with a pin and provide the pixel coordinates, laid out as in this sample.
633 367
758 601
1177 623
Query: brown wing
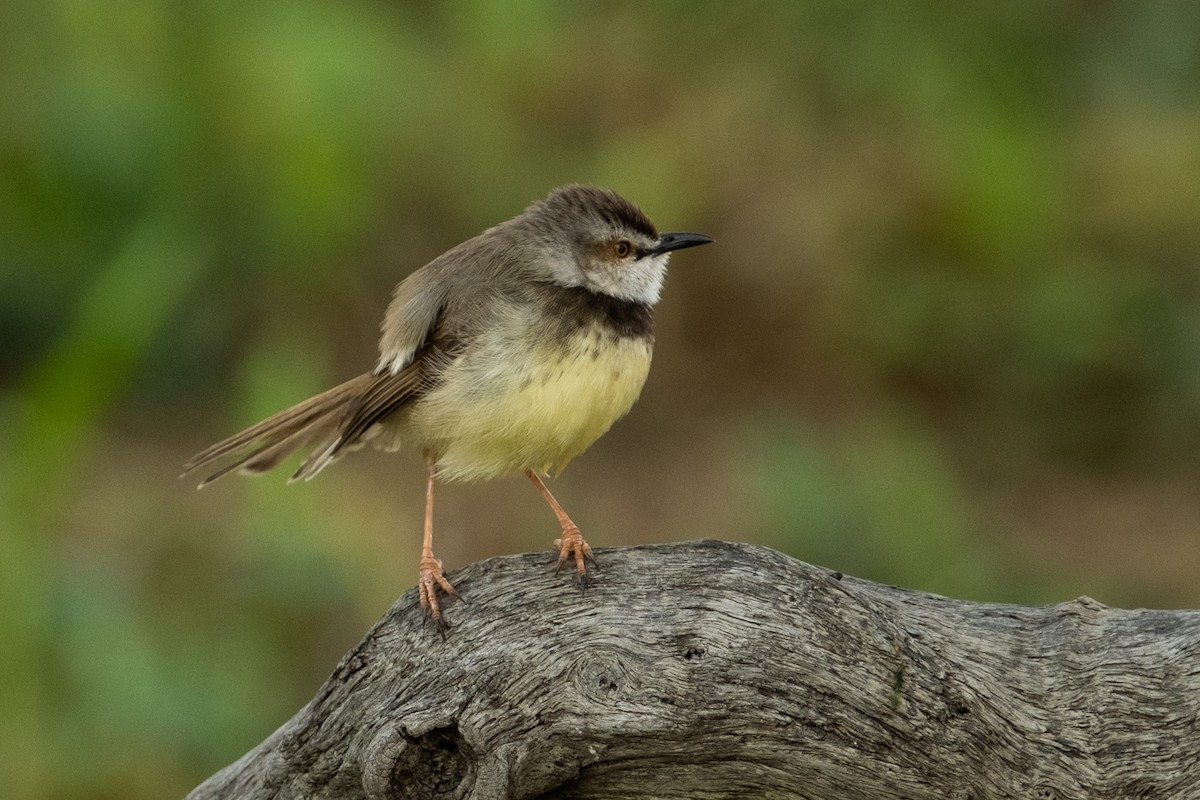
386 394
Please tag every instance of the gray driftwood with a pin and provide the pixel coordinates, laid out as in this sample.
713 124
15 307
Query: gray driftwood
713 670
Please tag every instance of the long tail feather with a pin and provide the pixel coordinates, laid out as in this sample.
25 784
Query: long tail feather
262 446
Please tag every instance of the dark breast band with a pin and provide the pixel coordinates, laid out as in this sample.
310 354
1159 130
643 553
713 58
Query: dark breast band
577 307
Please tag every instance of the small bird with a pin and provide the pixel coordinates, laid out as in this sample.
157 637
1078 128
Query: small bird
512 352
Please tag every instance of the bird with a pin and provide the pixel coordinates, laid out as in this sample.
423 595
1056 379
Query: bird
510 353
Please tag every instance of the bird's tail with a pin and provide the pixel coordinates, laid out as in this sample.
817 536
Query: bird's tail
314 423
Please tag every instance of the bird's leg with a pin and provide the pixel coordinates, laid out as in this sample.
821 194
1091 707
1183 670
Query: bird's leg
431 576
571 542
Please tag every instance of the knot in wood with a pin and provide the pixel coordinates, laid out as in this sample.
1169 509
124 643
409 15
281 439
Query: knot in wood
403 765
601 676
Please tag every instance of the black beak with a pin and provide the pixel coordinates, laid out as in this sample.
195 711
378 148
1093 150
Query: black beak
677 241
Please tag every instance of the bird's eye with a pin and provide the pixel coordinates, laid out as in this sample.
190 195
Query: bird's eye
623 249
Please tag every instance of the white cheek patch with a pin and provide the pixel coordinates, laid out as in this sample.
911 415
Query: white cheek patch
641 281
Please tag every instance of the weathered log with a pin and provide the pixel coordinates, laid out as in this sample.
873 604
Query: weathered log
712 670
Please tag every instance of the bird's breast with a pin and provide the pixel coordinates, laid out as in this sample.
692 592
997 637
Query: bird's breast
518 401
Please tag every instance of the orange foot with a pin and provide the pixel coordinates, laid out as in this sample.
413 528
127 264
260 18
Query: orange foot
428 583
572 544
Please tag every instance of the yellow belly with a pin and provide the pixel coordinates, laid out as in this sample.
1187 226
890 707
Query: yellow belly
493 414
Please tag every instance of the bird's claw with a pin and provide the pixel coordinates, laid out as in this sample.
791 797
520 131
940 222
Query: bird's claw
572 545
431 579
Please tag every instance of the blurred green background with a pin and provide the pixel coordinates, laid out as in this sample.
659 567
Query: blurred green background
948 338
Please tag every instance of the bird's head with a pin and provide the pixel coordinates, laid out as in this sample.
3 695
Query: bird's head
596 239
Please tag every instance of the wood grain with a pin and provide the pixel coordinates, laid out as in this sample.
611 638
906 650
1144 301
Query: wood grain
714 670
